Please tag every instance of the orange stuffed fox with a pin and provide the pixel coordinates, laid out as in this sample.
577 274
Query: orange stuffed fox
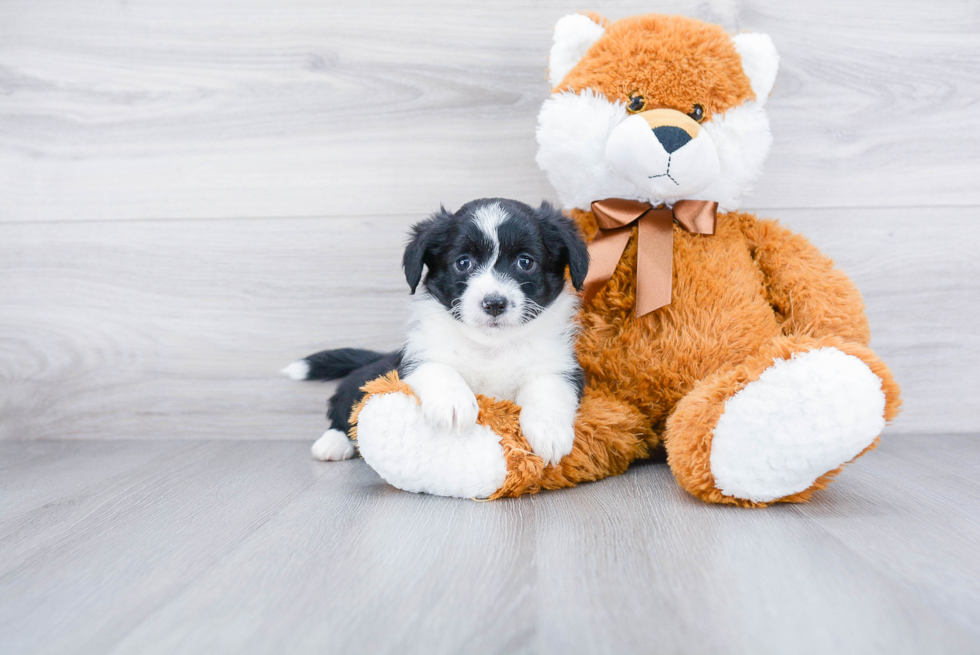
726 340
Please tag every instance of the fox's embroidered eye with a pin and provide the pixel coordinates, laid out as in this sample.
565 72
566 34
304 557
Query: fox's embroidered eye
463 264
697 113
525 263
636 103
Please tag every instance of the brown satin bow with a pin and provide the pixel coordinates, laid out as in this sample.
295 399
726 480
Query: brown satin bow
655 244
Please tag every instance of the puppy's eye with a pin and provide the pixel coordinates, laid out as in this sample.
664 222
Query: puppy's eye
525 263
697 113
636 103
463 264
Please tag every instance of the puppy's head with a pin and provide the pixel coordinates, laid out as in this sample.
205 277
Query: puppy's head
496 263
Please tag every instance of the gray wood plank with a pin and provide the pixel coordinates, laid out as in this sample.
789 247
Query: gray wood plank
180 329
252 548
195 110
368 570
655 566
131 546
911 514
177 329
32 474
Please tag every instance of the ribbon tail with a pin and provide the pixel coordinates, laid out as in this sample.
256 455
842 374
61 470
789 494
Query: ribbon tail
696 216
655 261
605 251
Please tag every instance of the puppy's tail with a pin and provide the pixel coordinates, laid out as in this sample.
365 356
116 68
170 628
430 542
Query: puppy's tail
331 364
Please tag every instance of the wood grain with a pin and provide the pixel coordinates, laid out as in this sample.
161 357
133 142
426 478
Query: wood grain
213 547
177 329
197 110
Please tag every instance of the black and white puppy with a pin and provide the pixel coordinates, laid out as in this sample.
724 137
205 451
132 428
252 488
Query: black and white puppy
494 317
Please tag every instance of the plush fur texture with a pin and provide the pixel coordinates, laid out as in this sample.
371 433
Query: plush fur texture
591 148
764 345
802 417
410 455
402 448
574 35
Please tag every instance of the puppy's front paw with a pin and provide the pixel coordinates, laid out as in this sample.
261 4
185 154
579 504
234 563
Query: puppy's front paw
551 435
453 408
333 446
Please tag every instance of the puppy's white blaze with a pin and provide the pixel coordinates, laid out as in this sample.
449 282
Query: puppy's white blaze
487 219
574 130
297 370
486 282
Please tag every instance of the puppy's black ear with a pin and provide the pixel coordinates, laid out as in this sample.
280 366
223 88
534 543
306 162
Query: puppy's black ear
418 252
573 246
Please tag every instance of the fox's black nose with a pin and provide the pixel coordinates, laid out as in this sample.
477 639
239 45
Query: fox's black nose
494 304
670 137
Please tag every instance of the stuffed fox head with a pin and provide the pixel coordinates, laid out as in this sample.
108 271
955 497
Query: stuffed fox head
655 108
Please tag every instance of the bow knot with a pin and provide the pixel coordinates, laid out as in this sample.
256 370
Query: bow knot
655 244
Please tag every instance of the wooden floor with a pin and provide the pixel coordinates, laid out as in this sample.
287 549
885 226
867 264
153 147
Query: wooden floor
251 547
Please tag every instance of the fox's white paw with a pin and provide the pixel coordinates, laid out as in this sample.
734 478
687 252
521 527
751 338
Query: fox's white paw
332 446
398 442
802 418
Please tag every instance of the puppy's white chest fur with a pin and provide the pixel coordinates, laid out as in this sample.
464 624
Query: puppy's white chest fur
447 362
495 363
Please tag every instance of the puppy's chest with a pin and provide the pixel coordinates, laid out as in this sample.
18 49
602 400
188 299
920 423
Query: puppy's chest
497 372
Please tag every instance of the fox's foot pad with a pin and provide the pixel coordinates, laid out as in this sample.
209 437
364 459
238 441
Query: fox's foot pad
802 418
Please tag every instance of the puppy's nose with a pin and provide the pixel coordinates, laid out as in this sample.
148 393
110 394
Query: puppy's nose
494 304
670 137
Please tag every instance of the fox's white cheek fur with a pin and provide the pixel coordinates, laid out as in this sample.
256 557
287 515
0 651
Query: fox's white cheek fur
742 138
574 130
634 153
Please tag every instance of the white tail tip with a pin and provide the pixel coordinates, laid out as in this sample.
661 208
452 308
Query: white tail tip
299 370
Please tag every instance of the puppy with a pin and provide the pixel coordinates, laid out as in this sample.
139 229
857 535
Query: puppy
494 317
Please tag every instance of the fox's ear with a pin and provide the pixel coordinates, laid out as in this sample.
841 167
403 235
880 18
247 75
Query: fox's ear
574 35
759 61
